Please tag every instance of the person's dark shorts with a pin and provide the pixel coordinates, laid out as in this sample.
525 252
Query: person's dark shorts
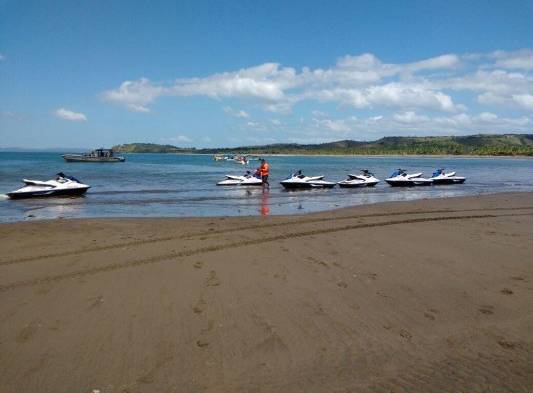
264 179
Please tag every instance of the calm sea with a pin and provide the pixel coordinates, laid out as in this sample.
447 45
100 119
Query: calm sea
158 185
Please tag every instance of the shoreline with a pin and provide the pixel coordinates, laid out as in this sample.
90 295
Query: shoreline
395 296
259 216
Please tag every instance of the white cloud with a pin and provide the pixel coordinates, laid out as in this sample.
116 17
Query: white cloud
361 82
66 114
409 117
266 81
135 95
180 138
524 100
235 112
522 59
448 61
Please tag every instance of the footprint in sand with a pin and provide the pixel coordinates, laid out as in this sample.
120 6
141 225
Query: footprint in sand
506 291
198 265
487 310
199 307
96 301
429 316
28 331
202 343
212 279
342 284
406 334
507 344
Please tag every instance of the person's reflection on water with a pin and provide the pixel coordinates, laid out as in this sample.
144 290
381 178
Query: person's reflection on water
265 208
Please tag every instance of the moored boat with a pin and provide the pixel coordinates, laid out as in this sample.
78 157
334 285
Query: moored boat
97 155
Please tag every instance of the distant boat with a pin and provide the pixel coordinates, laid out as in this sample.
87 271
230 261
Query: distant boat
98 155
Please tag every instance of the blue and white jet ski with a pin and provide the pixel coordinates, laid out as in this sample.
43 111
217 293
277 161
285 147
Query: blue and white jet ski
441 177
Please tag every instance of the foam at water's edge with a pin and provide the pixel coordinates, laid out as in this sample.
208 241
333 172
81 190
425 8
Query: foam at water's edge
3 197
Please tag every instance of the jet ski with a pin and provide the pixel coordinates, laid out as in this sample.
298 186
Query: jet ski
248 179
441 177
401 178
299 181
365 179
62 185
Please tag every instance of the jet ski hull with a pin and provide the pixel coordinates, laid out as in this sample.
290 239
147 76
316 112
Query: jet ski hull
296 185
401 183
240 181
451 180
306 185
356 184
409 183
322 185
226 183
47 193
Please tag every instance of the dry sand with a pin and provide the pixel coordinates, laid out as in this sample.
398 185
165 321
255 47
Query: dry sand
426 296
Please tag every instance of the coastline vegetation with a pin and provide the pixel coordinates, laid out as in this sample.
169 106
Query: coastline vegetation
471 145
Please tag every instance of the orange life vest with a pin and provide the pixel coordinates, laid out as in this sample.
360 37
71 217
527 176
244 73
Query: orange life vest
264 169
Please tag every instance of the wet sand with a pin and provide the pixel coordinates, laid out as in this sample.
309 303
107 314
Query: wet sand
422 296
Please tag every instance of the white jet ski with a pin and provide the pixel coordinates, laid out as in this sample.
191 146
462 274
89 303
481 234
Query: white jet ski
401 178
62 185
248 179
365 179
441 177
299 181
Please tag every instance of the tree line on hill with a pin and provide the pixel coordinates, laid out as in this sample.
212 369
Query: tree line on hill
482 145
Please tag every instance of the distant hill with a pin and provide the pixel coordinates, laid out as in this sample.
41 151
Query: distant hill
482 144
151 148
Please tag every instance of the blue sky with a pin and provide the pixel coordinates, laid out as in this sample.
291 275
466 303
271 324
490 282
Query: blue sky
230 73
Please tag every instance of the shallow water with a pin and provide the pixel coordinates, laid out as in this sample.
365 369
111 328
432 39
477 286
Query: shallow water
157 185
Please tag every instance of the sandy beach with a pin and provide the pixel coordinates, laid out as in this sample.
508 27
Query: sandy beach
422 296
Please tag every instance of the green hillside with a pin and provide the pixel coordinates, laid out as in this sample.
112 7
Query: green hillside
484 145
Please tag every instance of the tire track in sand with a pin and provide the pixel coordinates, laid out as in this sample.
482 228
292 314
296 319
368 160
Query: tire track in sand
202 250
243 228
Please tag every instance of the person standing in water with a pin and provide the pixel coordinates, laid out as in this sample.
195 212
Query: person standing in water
263 170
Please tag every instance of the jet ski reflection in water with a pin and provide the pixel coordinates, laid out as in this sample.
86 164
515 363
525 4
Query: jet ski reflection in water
365 179
62 185
299 181
248 179
401 178
441 177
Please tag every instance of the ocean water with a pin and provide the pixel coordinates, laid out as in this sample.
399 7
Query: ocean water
160 185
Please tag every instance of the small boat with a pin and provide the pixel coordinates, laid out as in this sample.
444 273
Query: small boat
241 160
98 155
62 185
248 179
299 181
401 178
365 179
441 177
